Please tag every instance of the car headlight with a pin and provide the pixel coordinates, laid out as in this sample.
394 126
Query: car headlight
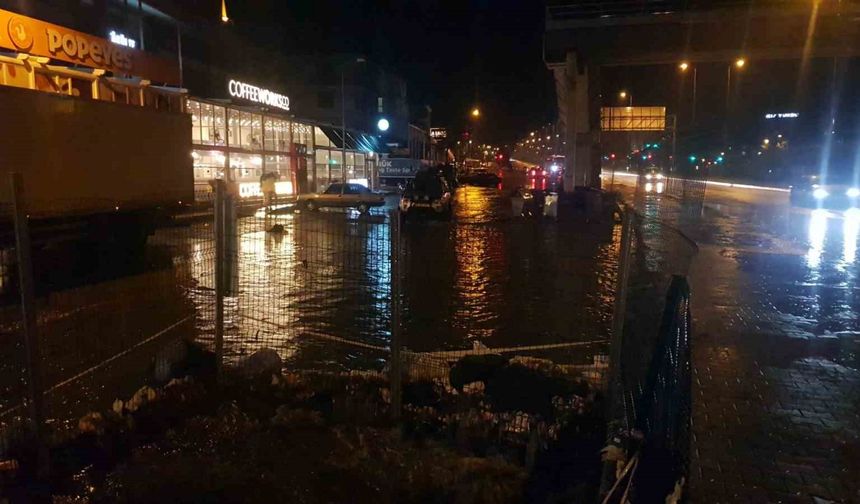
660 187
820 193
649 187
853 192
554 168
659 176
648 176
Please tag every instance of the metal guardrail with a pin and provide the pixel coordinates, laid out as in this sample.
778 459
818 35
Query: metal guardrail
657 442
598 9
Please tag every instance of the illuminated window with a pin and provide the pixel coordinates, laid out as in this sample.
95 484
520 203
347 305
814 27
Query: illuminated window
302 135
320 138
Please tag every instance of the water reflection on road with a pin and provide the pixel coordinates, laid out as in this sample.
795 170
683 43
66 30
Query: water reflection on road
482 276
319 293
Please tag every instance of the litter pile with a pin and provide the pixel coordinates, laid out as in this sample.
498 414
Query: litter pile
493 430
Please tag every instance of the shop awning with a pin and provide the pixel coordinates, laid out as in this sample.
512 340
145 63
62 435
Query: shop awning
354 140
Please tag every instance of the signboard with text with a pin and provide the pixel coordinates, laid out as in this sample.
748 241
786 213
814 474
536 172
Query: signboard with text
438 134
398 167
32 36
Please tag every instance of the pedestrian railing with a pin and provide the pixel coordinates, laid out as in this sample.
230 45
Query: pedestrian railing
650 396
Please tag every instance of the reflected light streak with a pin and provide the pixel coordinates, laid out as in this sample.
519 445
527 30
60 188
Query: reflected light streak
817 234
850 233
807 49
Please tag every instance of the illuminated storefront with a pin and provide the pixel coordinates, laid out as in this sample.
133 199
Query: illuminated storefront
305 157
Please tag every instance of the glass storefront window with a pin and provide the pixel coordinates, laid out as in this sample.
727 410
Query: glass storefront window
212 126
194 110
246 130
336 164
277 135
320 138
208 165
207 123
360 172
281 166
246 170
321 162
350 165
302 135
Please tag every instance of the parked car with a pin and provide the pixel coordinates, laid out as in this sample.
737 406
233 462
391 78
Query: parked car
339 195
429 193
482 178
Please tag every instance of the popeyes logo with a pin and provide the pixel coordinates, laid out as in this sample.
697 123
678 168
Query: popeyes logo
19 35
39 38
99 51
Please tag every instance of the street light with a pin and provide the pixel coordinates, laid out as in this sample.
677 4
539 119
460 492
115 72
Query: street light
684 66
739 64
625 95
224 17
476 112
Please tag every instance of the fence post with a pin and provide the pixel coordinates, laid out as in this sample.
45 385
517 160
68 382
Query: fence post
28 316
395 367
620 309
219 274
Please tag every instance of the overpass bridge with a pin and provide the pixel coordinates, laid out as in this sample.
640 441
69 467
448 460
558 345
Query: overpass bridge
581 37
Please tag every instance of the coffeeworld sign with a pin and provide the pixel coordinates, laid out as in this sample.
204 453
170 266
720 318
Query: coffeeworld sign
32 36
257 95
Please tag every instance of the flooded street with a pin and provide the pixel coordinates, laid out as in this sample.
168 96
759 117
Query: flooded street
318 293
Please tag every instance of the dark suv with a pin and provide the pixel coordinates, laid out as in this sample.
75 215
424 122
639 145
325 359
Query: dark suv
427 193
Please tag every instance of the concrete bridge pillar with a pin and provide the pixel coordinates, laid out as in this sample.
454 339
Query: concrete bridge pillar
580 107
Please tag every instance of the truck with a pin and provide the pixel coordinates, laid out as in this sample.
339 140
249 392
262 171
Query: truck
92 169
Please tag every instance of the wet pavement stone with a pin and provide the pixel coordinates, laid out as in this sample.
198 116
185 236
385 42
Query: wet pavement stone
776 411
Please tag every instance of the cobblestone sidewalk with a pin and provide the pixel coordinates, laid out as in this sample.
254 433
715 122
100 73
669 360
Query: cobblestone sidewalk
776 353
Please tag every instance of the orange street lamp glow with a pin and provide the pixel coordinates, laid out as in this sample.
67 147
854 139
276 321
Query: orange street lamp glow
476 112
740 62
224 17
684 66
623 94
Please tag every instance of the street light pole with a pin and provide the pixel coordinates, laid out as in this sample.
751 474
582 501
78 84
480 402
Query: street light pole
739 63
684 66
343 129
695 74
343 121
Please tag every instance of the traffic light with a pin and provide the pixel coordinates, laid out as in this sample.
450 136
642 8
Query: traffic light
693 158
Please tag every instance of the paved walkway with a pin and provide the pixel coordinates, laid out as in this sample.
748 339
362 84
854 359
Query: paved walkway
776 406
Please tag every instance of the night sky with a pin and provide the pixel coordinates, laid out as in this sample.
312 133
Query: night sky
453 54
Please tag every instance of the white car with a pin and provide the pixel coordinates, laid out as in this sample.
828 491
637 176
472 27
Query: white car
339 195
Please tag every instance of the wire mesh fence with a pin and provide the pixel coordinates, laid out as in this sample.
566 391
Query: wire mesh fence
499 341
312 285
110 316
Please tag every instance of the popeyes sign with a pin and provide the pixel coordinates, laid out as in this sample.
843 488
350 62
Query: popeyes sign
28 35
